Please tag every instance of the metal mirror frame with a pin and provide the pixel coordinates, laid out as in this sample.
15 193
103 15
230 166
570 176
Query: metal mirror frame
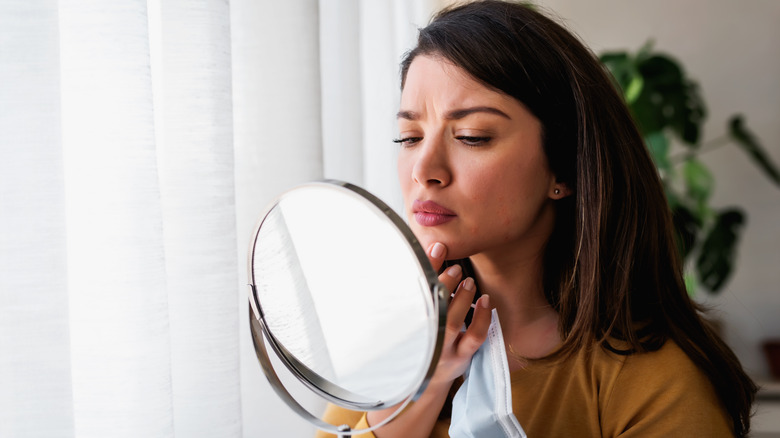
323 388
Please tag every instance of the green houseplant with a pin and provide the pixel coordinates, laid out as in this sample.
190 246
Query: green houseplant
670 111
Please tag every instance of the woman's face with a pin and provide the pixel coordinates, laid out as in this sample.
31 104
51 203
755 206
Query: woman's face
472 169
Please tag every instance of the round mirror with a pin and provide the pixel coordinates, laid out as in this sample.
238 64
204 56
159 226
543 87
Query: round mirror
344 295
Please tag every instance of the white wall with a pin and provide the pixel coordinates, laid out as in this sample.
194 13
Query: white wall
731 48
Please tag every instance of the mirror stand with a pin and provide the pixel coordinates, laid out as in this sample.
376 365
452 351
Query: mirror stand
344 428
342 431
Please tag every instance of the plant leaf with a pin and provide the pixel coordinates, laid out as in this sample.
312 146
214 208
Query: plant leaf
658 145
699 183
690 283
634 88
717 254
623 69
693 113
748 142
668 99
686 226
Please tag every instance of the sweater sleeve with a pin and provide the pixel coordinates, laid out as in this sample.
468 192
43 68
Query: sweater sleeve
663 394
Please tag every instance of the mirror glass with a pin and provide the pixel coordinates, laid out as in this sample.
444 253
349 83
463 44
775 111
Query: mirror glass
345 295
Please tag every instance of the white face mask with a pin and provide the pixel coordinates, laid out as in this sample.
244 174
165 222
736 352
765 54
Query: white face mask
482 407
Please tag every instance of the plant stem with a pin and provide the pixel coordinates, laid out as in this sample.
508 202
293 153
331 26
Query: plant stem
709 146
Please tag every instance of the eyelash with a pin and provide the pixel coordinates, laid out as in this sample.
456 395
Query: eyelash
468 140
407 141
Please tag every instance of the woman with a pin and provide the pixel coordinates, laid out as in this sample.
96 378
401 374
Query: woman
519 158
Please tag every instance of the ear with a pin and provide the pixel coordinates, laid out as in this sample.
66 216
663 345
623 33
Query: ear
559 190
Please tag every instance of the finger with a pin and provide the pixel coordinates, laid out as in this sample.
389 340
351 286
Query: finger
436 253
450 278
477 332
460 304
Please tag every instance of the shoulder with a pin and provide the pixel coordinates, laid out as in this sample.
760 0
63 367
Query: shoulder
668 364
662 393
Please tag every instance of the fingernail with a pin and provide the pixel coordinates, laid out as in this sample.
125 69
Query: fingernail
437 251
454 271
468 284
484 301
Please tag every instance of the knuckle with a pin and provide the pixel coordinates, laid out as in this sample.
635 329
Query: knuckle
472 341
453 328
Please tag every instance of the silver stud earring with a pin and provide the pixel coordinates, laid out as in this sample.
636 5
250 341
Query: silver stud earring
557 191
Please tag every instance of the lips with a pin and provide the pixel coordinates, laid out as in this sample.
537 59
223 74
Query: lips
431 214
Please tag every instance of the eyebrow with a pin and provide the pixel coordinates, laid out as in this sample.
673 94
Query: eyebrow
456 114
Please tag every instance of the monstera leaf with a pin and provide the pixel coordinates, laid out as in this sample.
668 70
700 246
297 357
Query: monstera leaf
669 109
718 252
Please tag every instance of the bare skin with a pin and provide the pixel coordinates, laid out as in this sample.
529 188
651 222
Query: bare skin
476 155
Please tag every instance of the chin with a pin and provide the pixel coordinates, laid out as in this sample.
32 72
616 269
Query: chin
455 250
425 239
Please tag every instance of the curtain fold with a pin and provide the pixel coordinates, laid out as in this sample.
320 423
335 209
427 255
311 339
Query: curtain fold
277 138
34 327
119 324
340 75
197 186
139 142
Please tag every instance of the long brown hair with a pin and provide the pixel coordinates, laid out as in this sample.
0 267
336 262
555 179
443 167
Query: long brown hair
612 269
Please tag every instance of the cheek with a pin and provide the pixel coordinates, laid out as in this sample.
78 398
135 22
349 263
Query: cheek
510 199
491 194
503 211
506 216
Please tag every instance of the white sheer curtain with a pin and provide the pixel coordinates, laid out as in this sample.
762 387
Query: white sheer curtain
138 143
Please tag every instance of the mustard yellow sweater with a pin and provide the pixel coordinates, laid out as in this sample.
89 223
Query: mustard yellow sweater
656 394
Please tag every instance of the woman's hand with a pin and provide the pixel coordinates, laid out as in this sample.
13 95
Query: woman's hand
420 417
459 346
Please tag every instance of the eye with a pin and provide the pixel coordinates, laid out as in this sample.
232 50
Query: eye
469 140
407 141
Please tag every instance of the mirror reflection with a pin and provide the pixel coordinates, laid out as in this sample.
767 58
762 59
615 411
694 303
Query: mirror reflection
354 316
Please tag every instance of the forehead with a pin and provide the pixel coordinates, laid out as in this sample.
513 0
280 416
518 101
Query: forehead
437 79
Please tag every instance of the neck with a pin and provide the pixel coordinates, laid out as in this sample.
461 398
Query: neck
515 285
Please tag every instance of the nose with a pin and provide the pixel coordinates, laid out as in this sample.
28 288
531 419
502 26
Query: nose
431 166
